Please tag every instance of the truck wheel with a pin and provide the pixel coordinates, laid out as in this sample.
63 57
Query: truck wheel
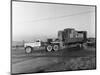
28 49
55 47
49 48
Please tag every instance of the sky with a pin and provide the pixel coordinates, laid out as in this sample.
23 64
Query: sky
32 21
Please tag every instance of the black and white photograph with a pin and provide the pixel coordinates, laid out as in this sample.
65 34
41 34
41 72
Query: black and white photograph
52 37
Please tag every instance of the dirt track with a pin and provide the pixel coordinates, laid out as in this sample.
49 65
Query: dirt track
39 60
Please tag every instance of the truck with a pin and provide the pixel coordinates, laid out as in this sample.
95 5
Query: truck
67 38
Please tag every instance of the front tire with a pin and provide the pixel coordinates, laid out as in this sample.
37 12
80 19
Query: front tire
49 48
28 50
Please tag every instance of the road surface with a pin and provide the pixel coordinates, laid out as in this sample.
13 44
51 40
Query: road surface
40 60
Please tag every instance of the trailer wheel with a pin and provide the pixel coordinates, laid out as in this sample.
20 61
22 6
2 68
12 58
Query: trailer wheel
55 47
84 46
80 46
49 48
28 49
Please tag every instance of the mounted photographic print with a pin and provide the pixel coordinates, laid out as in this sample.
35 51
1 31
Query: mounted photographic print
52 37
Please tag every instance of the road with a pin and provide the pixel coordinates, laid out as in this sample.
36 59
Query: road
33 65
39 60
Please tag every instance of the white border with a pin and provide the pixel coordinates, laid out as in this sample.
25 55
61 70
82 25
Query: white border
5 37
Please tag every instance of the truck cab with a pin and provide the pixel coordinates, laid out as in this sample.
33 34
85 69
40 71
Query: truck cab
29 46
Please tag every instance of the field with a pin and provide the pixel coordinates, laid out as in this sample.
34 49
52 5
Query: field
43 61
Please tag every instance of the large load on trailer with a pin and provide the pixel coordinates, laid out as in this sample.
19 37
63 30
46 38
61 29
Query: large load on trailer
72 36
67 38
